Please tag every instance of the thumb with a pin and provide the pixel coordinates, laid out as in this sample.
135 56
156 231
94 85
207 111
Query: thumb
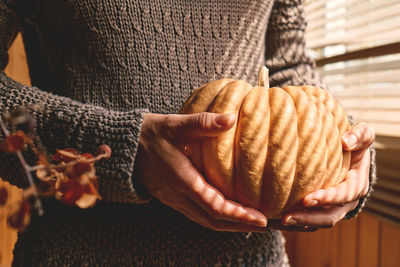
360 136
204 124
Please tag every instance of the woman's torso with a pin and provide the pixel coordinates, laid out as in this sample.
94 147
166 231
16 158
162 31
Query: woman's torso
132 54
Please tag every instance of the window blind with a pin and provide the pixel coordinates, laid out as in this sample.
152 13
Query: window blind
356 44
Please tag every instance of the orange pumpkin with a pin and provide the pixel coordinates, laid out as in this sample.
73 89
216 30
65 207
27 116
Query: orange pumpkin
286 142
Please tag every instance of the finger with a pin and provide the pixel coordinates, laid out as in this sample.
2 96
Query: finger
196 214
277 225
203 124
188 181
358 137
321 218
219 208
354 187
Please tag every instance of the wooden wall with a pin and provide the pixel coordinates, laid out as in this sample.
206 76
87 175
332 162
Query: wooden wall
362 242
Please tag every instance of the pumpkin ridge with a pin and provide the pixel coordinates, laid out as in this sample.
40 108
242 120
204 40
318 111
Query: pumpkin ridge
342 125
308 170
279 170
218 151
202 97
327 122
251 146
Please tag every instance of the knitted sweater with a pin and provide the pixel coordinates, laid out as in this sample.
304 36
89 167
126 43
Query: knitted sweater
97 67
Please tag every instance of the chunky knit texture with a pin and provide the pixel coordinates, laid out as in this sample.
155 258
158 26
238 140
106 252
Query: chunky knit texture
98 66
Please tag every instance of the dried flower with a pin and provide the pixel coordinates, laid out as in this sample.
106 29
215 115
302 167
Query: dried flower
104 150
14 142
71 179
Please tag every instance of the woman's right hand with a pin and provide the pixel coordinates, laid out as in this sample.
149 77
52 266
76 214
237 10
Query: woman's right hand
169 175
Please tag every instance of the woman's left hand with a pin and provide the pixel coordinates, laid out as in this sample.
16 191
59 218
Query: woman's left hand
325 207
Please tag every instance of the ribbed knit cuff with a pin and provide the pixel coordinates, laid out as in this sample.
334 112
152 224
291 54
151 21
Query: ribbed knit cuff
62 122
120 131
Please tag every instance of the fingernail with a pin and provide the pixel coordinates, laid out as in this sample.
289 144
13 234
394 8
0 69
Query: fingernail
312 203
223 119
290 221
258 220
350 140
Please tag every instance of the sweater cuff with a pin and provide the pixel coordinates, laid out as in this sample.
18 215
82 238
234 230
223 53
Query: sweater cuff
62 122
120 131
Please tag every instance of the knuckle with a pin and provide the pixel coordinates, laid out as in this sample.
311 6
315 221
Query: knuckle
359 131
366 132
203 120
169 124
216 212
348 198
197 191
371 133
169 121
362 126
196 186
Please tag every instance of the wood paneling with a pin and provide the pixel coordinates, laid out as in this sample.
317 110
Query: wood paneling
347 243
329 249
369 229
17 67
366 241
390 246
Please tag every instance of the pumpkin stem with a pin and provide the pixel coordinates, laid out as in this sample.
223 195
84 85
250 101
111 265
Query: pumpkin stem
263 79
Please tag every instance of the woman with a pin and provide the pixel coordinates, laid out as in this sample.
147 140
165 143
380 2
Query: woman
115 72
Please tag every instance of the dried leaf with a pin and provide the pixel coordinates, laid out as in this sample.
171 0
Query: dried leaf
71 191
65 155
86 201
104 150
93 187
14 142
43 174
87 156
80 168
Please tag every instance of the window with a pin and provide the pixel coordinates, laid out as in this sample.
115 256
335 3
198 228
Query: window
356 44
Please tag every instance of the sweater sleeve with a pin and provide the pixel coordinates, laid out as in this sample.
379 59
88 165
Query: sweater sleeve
62 122
289 63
